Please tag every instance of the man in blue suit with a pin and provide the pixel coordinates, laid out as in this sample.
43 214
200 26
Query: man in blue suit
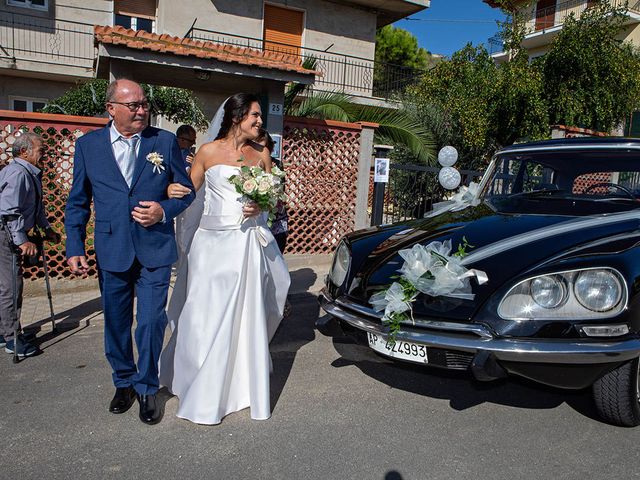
125 168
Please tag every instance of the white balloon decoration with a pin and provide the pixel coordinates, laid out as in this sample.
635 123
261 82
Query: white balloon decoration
449 178
447 156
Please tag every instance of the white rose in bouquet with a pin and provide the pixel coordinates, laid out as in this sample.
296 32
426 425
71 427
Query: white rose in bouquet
266 189
264 185
249 186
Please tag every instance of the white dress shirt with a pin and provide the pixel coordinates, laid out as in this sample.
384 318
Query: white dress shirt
120 149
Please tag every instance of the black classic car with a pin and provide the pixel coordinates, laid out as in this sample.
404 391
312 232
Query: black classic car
555 226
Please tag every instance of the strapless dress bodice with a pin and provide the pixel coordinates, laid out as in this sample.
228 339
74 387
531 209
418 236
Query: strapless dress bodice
221 197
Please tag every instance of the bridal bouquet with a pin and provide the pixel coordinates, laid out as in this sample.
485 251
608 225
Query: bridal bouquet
266 189
432 270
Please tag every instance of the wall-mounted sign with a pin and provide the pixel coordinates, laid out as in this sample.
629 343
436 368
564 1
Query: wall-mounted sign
276 109
277 146
381 170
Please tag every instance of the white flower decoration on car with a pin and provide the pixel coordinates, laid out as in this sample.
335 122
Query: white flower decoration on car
429 269
446 274
392 300
157 161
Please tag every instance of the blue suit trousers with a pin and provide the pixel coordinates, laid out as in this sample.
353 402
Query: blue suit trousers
150 286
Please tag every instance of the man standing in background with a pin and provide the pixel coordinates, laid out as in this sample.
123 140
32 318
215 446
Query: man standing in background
187 140
21 209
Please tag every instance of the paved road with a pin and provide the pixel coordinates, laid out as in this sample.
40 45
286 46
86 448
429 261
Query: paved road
339 412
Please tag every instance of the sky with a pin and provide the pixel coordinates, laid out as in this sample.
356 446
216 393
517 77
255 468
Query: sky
448 25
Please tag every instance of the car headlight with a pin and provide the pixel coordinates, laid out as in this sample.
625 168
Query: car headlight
588 293
597 290
341 262
548 291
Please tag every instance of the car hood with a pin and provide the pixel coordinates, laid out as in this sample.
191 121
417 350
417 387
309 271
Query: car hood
504 246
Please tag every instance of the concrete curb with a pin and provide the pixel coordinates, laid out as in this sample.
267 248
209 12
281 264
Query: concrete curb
307 276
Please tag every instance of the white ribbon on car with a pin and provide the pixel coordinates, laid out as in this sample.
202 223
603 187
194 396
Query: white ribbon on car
448 277
465 197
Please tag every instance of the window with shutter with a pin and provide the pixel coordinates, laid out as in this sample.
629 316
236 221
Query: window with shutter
136 8
283 29
545 14
135 14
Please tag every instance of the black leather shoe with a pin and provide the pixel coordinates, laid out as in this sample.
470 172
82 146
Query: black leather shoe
150 410
122 400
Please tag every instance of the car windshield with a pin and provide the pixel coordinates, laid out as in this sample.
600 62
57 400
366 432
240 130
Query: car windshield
569 182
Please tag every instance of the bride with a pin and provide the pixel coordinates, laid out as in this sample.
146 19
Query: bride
232 281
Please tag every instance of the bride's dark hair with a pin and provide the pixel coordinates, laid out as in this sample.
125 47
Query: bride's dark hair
235 110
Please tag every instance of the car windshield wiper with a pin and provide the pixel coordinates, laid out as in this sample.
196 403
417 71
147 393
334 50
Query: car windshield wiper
537 193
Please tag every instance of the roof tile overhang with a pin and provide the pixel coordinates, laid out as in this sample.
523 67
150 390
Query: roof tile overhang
141 40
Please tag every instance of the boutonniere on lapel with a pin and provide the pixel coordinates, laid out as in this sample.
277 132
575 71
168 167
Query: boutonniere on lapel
157 161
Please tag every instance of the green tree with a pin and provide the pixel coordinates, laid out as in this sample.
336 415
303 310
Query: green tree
294 90
591 78
88 99
519 108
397 56
477 106
461 91
399 47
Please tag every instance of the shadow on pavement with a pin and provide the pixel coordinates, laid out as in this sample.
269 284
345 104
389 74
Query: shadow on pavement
393 475
460 388
162 397
294 331
302 280
73 320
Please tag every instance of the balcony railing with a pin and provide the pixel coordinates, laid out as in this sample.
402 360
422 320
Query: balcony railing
339 72
47 41
65 43
538 19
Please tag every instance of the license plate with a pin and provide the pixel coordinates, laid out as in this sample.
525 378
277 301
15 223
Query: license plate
411 352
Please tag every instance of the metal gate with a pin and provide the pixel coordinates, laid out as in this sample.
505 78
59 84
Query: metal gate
411 192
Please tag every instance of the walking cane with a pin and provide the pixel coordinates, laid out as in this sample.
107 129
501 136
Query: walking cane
14 269
45 268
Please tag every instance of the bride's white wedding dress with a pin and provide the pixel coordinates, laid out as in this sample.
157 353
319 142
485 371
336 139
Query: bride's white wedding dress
217 361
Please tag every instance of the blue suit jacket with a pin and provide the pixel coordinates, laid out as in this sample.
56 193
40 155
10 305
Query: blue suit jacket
119 239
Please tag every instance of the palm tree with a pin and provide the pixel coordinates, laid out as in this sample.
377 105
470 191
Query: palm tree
396 127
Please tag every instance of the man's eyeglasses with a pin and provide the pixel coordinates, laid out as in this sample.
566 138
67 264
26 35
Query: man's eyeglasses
191 142
134 106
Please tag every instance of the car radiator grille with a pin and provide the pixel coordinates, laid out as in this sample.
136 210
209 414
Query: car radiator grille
458 360
451 359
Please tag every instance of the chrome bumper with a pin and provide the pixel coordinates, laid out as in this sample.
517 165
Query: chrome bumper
475 338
